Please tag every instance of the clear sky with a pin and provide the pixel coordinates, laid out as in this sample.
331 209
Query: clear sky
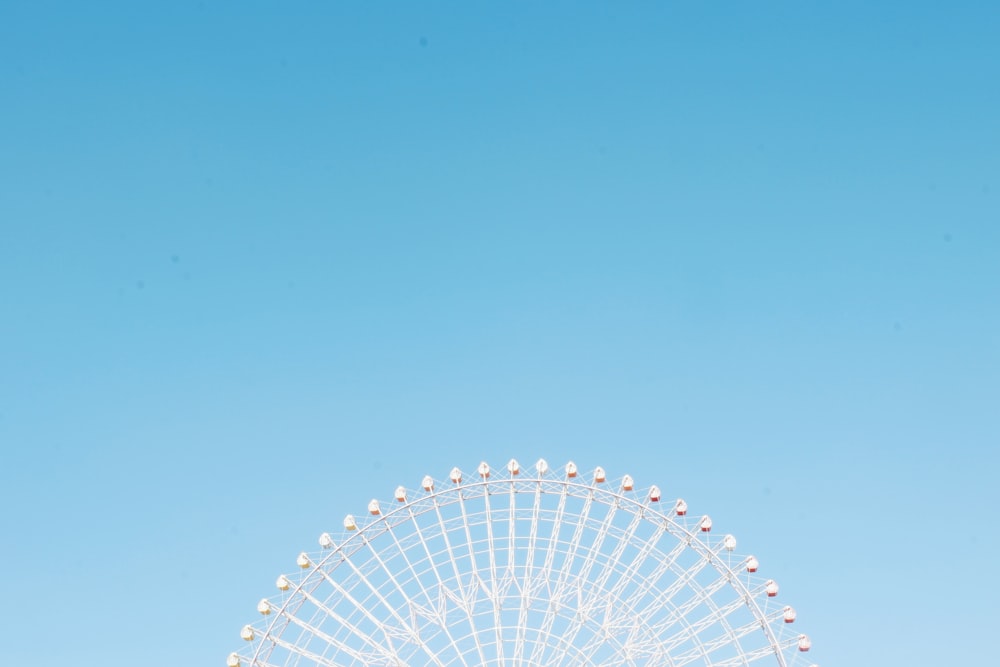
262 261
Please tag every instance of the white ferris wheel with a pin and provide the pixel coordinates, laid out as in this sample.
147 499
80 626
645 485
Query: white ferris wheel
522 566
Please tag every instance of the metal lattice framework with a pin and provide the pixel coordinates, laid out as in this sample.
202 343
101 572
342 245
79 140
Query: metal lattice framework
524 567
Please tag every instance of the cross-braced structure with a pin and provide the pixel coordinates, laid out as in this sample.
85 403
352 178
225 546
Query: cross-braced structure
517 567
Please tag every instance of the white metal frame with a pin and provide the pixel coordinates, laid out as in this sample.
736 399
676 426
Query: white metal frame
544 567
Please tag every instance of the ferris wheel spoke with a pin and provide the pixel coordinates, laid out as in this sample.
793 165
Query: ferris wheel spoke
408 601
389 632
730 637
618 630
761 619
459 597
512 530
544 576
264 663
702 595
759 653
712 618
476 581
410 629
664 600
648 650
543 580
745 656
639 623
526 581
665 564
338 644
582 616
629 577
590 602
567 591
432 612
297 650
495 593
462 596
603 635
337 618
724 568
563 586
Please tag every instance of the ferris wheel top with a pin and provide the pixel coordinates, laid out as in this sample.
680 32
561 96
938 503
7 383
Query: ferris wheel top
501 516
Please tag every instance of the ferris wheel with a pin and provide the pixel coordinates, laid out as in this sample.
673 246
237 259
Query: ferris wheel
524 566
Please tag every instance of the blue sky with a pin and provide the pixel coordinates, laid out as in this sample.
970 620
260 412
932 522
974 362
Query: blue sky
260 262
